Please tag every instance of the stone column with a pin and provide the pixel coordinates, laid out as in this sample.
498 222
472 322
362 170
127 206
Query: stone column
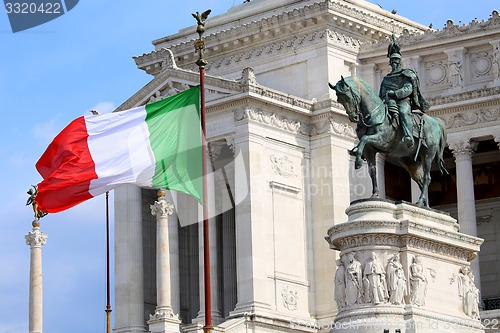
415 191
214 278
380 162
466 206
173 232
35 239
129 269
163 320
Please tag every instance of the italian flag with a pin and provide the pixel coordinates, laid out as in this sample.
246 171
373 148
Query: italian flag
155 146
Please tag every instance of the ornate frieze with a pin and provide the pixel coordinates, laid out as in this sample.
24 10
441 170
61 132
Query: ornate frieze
450 30
463 119
267 118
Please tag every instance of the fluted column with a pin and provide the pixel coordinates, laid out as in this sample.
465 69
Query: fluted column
129 268
35 239
214 278
164 319
466 206
173 232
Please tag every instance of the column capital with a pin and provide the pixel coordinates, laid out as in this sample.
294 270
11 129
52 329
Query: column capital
162 314
497 140
161 207
35 238
465 147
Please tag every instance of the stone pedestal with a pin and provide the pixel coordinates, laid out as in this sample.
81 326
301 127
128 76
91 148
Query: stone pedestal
403 267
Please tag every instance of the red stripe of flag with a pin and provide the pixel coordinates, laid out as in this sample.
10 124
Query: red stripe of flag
67 168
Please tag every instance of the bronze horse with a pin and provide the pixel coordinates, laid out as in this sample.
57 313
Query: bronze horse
378 133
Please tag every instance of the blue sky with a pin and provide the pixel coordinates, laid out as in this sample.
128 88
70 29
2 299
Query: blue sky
56 72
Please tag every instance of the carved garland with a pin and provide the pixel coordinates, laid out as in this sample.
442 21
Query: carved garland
325 126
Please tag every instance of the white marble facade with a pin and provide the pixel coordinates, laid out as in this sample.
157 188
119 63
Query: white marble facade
269 107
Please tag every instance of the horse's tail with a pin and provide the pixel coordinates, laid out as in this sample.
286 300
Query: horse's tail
442 145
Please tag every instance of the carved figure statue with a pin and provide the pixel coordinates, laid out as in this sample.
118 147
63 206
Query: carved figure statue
468 292
396 280
401 92
374 281
418 282
378 131
353 276
340 285
455 72
496 61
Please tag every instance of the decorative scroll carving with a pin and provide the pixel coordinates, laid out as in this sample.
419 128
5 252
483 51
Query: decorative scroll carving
282 166
463 147
161 208
436 73
481 64
248 77
290 298
267 118
468 119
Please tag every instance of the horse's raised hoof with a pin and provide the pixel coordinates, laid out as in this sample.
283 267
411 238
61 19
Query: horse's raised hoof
352 152
357 164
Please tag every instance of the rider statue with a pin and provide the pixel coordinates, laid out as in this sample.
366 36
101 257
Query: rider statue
400 91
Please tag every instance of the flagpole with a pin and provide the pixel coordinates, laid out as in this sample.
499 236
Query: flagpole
108 298
201 62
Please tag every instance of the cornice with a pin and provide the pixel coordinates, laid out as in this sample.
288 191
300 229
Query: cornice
449 32
341 17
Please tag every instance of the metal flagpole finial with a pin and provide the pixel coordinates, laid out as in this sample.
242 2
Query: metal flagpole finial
199 44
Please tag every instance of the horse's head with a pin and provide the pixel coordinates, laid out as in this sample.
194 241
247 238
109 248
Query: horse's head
348 98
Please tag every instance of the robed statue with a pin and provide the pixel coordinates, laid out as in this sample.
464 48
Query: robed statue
394 123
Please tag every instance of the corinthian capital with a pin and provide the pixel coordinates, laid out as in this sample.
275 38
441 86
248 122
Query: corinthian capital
463 147
161 207
35 238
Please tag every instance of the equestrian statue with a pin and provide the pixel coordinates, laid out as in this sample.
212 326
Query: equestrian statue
394 123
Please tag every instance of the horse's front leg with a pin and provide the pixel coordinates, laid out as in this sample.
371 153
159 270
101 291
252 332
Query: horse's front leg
359 153
361 147
372 169
424 196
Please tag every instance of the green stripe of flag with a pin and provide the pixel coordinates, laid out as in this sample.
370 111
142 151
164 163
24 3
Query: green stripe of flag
175 139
